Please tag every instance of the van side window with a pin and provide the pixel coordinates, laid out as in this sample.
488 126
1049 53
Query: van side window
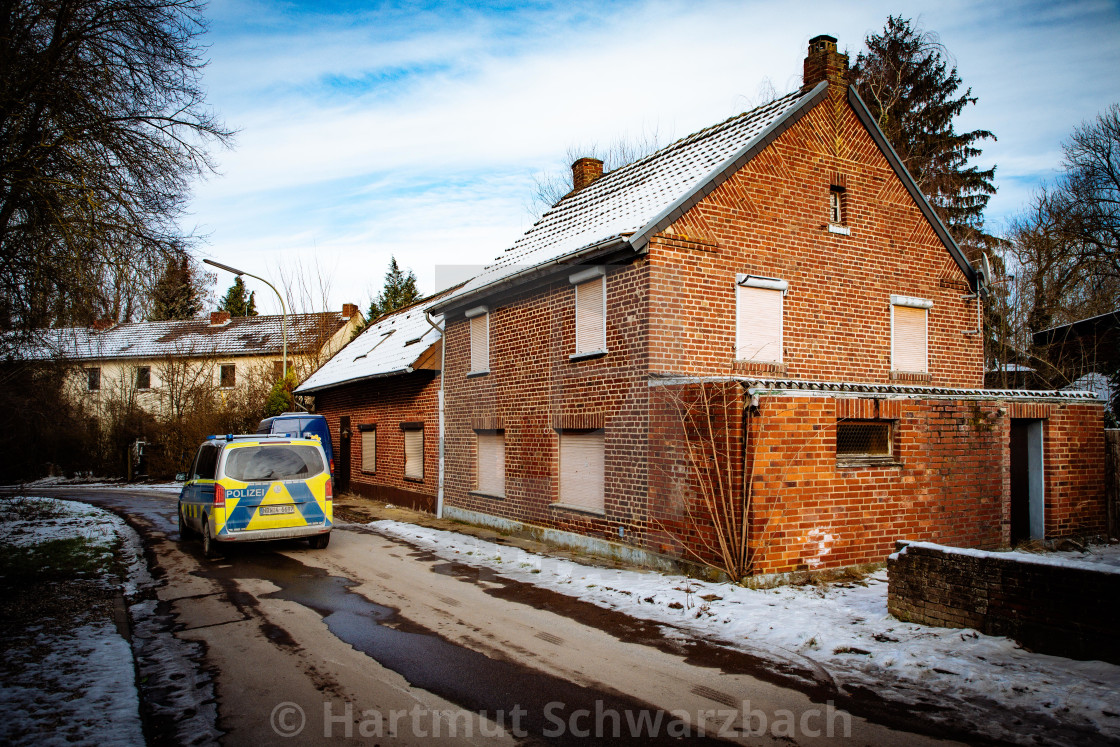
206 463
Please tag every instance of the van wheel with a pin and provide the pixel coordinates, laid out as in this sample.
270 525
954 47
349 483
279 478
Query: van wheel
319 541
184 530
207 542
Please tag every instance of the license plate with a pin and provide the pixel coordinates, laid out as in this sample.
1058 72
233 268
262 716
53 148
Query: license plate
273 510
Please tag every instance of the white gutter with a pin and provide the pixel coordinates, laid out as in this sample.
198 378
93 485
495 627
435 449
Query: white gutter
439 400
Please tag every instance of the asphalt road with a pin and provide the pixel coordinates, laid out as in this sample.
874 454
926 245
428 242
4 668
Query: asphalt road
373 641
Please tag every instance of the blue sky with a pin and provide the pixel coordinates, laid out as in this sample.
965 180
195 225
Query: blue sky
416 129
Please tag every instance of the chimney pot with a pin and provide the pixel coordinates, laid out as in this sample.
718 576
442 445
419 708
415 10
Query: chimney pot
585 171
218 318
823 62
349 310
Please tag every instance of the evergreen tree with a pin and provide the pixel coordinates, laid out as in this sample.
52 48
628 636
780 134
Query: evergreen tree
399 291
914 97
237 301
176 294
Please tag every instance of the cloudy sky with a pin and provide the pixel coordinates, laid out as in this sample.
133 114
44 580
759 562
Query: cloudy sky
417 129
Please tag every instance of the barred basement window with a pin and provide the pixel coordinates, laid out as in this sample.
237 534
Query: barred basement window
863 441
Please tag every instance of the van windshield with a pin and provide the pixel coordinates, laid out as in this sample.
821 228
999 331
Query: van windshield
273 462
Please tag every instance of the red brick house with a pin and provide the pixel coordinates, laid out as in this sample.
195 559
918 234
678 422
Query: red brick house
782 269
380 396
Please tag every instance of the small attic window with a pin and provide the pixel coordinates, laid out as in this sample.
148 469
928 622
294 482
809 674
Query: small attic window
413 341
836 205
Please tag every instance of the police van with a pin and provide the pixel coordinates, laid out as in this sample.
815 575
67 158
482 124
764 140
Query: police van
249 488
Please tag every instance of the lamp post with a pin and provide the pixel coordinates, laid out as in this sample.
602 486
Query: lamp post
283 308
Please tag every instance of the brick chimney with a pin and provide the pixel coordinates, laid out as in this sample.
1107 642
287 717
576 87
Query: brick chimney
219 318
585 171
349 310
824 63
101 325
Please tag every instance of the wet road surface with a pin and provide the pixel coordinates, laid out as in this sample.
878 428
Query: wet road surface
373 641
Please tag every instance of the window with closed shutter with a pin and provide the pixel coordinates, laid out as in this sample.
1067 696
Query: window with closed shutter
414 454
581 469
591 316
491 462
910 344
369 450
759 324
480 343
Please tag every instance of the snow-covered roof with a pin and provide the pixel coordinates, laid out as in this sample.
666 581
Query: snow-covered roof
388 346
248 335
632 201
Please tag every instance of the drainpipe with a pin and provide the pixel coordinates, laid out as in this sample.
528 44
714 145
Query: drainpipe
439 400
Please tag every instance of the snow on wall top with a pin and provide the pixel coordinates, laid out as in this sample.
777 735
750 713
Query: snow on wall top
388 346
249 335
627 200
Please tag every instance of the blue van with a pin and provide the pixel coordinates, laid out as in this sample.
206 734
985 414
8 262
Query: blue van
301 425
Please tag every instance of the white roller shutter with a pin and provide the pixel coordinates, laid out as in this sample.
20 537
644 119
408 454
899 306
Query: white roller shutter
492 463
591 316
480 343
759 324
369 451
910 343
581 469
414 454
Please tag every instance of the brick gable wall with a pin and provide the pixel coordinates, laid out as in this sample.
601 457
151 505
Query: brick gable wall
771 219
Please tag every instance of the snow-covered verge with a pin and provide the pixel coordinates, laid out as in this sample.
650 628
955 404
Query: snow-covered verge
68 673
960 677
101 482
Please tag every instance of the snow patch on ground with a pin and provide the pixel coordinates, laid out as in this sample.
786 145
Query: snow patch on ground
75 686
843 628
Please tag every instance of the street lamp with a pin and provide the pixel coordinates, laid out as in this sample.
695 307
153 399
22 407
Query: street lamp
283 308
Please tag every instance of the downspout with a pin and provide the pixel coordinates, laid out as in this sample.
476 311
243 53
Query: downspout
439 400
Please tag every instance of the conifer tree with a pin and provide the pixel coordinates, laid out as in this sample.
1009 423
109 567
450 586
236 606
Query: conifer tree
176 294
399 291
914 96
238 301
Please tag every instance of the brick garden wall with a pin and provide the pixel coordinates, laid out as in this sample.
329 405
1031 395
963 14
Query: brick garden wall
386 403
1050 607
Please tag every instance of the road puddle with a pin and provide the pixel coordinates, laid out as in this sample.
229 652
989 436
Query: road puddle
468 678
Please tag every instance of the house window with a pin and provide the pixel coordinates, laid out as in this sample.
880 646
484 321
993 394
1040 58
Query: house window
591 311
861 441
227 375
581 470
480 339
836 206
93 378
369 448
758 325
491 474
413 451
910 334
143 377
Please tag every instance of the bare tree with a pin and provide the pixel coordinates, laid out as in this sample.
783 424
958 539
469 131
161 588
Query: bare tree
103 124
551 187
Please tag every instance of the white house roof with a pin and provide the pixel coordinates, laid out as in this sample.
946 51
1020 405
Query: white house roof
249 335
388 346
631 200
